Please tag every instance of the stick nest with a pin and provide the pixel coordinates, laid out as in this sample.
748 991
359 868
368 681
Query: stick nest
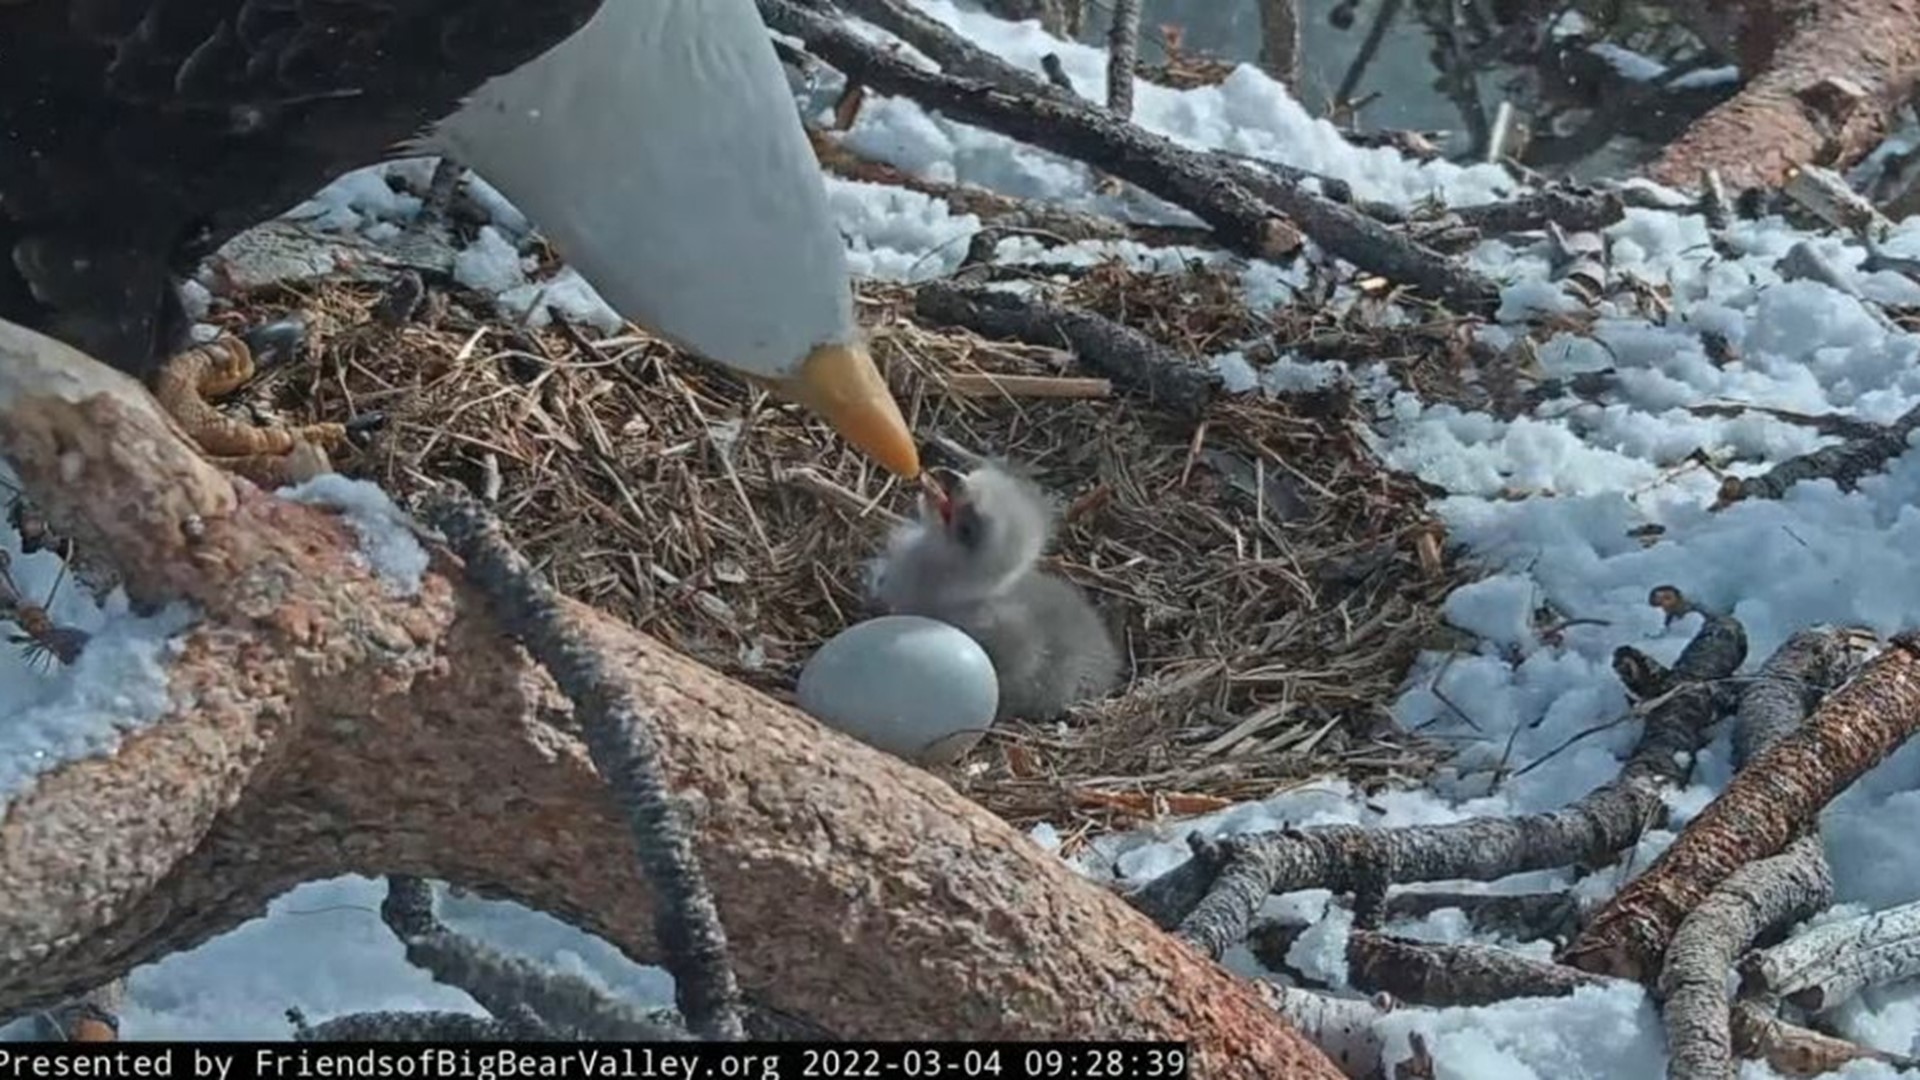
1270 581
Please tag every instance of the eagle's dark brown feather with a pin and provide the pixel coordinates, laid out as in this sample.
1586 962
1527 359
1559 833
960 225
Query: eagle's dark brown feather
136 136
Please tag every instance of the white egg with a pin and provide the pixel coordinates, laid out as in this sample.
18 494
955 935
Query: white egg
916 688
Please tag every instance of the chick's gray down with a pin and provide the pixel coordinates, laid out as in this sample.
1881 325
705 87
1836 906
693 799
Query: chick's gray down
970 560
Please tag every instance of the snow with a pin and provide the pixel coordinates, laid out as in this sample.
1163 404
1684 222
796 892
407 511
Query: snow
1547 502
52 714
387 543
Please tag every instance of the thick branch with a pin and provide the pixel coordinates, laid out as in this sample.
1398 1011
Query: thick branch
1770 803
320 725
1827 79
1247 207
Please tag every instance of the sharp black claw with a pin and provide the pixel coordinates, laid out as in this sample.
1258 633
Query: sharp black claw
276 342
360 428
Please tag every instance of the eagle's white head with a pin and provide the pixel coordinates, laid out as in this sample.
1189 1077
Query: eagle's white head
660 150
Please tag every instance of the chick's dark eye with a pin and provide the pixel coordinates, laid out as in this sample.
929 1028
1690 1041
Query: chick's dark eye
966 529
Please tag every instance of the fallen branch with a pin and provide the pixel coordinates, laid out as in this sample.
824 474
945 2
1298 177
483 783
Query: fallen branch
1756 898
1825 80
1770 803
1575 211
1247 207
416 1027
1844 463
1134 361
1447 976
953 52
317 724
1212 897
1828 965
1343 1028
1763 896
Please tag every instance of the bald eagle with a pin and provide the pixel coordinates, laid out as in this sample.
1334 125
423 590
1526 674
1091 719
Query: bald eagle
655 143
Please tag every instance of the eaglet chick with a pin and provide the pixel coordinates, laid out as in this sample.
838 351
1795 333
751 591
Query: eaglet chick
970 561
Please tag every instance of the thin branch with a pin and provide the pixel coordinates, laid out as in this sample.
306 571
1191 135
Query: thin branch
504 984
1132 360
1844 463
620 740
1123 49
1248 207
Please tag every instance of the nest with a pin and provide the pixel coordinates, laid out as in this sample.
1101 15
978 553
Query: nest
1269 580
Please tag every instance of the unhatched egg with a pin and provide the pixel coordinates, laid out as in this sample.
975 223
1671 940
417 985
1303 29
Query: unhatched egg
915 687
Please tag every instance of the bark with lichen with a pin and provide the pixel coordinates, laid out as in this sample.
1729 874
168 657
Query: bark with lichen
1773 801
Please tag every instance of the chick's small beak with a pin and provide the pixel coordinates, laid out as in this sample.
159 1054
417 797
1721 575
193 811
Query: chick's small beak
841 384
941 486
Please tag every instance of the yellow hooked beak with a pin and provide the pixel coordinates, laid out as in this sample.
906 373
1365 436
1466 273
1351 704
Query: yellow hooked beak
841 384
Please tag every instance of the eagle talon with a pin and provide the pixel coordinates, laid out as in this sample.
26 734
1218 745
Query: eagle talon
275 343
362 427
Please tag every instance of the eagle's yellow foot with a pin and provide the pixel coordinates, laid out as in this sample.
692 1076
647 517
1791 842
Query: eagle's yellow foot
271 455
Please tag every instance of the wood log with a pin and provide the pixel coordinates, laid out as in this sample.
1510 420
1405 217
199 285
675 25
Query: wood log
1826 79
318 724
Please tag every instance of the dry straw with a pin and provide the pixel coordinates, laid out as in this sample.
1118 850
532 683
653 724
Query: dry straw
1271 580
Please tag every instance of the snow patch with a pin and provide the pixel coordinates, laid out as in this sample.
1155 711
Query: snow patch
387 543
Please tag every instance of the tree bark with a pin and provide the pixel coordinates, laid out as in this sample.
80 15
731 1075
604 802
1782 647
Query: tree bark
1830 964
1825 79
1769 804
1280 42
1123 51
1754 899
319 725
